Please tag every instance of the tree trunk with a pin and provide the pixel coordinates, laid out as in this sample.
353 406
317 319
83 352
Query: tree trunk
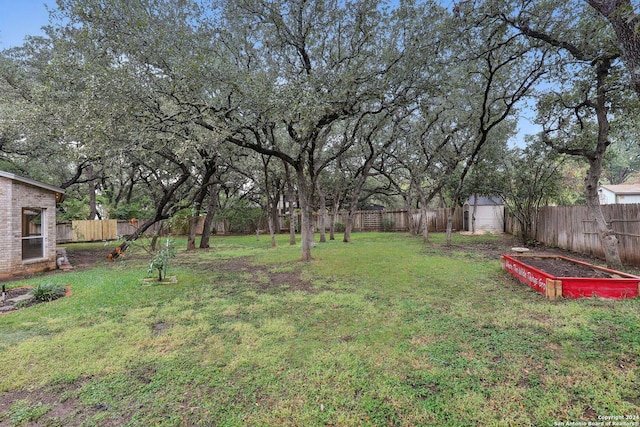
424 217
272 228
473 214
424 223
292 224
348 225
607 236
414 219
605 232
193 228
625 22
208 225
197 202
130 186
154 239
450 212
275 214
323 213
305 196
194 220
334 217
353 206
355 195
93 208
291 202
271 208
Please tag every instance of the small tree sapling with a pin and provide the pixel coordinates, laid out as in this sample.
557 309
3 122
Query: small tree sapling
160 260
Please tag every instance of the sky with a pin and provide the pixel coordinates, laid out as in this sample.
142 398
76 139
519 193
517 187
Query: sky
19 18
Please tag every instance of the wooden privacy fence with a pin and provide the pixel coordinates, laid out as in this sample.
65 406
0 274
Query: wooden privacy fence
391 220
569 227
92 231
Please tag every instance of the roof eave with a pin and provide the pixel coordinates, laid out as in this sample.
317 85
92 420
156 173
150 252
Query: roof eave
32 182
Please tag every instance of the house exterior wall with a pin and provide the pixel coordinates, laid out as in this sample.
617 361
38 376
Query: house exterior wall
607 197
14 196
6 225
628 198
610 196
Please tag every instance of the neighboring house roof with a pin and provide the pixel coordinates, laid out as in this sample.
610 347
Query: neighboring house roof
623 188
31 182
485 201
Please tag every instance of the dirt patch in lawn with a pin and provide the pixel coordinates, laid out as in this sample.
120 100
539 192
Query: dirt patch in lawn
489 249
57 407
265 278
88 257
262 278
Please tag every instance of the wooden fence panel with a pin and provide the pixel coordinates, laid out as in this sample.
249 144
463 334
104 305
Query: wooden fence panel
91 231
64 232
625 221
437 219
109 229
569 227
394 220
126 228
391 220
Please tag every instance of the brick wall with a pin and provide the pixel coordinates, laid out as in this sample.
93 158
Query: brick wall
5 225
14 196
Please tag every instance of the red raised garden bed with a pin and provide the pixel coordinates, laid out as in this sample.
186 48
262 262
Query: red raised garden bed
556 276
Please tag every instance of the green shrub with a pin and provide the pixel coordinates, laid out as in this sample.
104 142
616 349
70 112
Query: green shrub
160 260
339 227
73 208
242 216
139 209
388 224
47 292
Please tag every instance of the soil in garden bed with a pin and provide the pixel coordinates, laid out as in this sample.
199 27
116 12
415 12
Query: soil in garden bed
562 268
16 292
13 293
8 306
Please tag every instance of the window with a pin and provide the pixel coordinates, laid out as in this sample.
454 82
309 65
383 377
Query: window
32 233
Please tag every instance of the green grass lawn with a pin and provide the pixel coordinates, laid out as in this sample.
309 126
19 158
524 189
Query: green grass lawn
383 331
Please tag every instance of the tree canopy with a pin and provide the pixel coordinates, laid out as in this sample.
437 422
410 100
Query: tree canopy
153 107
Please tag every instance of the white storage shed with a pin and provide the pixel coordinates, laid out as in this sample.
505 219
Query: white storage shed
487 212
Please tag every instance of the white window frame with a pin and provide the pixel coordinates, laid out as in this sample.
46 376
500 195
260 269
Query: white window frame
27 237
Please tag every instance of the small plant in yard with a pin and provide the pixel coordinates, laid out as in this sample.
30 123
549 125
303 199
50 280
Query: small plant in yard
160 260
47 292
